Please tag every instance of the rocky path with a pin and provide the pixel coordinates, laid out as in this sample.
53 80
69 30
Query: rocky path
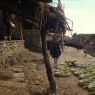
70 84
30 76
16 85
26 78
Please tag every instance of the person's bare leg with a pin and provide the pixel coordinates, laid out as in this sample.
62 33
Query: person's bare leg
55 61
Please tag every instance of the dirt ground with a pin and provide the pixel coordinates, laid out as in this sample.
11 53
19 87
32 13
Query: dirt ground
29 77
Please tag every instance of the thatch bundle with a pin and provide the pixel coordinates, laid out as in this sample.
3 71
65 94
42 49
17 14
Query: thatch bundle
54 16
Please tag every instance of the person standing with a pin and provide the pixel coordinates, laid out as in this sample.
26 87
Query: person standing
55 50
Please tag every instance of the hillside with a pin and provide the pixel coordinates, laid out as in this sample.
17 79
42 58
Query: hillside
83 41
29 77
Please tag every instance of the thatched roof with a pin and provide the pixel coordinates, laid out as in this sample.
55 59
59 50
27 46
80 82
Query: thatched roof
54 17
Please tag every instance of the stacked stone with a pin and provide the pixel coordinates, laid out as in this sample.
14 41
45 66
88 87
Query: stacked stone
9 49
32 40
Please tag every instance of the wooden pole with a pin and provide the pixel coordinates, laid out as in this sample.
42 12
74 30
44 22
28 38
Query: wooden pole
20 29
44 51
47 63
62 41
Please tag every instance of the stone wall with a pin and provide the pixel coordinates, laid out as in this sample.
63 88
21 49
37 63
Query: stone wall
32 40
10 48
90 48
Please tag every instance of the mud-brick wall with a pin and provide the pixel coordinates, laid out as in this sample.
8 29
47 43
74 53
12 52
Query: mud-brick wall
32 40
10 48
